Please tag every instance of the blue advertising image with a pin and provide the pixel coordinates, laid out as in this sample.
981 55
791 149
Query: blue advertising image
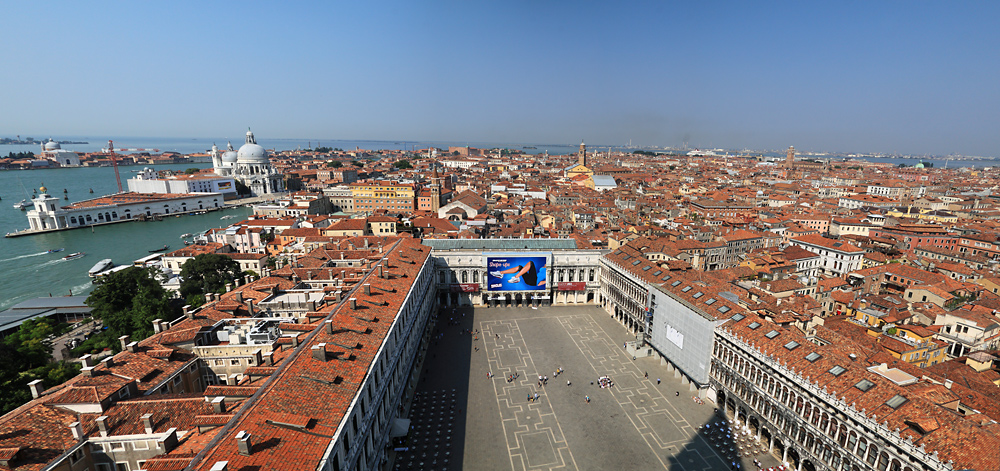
516 272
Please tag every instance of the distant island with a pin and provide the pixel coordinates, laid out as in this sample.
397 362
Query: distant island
30 141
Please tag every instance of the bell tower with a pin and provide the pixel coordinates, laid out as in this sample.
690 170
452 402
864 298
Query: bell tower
582 159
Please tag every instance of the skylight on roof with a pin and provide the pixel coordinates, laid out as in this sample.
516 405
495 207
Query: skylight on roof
724 309
709 301
646 268
665 278
837 370
675 283
864 385
626 256
657 272
698 295
738 317
754 325
792 345
686 289
896 401
636 262
813 357
772 334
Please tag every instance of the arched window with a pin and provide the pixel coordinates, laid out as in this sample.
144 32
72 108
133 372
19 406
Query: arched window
475 276
114 214
72 220
465 276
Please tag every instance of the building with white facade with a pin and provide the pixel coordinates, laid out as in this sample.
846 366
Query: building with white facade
250 166
48 215
148 181
51 150
837 257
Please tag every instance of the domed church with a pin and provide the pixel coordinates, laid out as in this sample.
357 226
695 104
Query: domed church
250 165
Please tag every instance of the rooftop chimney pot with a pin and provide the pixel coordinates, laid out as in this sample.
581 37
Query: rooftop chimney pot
147 423
102 425
319 352
243 443
219 405
36 388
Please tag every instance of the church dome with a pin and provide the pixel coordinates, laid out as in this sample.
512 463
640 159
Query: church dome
251 153
230 156
52 145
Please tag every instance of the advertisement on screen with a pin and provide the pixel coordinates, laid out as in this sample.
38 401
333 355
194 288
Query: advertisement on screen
516 272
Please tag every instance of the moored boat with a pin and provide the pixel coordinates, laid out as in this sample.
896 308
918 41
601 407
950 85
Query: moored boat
74 256
161 249
100 266
54 250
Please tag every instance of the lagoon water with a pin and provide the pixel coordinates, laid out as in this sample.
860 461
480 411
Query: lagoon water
26 271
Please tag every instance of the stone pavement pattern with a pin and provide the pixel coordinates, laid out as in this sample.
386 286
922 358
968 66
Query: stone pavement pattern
637 424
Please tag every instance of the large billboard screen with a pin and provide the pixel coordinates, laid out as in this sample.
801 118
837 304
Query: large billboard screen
516 272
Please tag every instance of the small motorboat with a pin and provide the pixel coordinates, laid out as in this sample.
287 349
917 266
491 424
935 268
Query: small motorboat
74 256
22 205
100 266
161 249
185 236
54 250
187 242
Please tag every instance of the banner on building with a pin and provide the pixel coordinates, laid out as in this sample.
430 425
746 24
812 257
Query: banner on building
516 272
225 185
572 286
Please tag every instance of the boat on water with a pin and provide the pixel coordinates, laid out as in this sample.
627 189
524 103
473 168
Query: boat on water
100 266
22 205
161 249
185 236
54 250
228 216
74 256
187 242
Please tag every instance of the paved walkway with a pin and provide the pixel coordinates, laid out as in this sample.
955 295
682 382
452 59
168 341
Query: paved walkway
490 423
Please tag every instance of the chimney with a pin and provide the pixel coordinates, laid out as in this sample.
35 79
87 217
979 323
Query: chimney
229 287
220 466
243 443
132 346
380 274
123 341
948 383
109 362
368 289
157 328
147 423
354 304
269 359
328 326
319 352
250 307
238 296
77 430
87 360
295 340
258 357
165 326
337 296
102 425
219 405
36 388
87 370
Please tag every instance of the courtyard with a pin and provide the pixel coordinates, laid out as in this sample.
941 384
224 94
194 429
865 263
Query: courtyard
462 418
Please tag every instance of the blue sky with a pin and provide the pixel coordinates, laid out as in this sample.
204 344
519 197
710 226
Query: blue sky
908 77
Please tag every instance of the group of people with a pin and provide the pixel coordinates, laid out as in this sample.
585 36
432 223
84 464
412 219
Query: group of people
605 382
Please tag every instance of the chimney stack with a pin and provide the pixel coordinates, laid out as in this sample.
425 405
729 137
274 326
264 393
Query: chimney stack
87 370
250 307
243 443
123 341
380 274
157 328
319 352
147 423
77 430
948 383
87 360
36 388
354 304
109 362
132 346
269 359
328 326
368 289
102 425
219 405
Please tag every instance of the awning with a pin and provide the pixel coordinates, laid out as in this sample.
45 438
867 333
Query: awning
400 427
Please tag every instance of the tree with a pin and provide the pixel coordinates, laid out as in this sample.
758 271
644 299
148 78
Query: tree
191 170
402 164
208 273
357 164
128 301
31 343
242 189
323 150
334 164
